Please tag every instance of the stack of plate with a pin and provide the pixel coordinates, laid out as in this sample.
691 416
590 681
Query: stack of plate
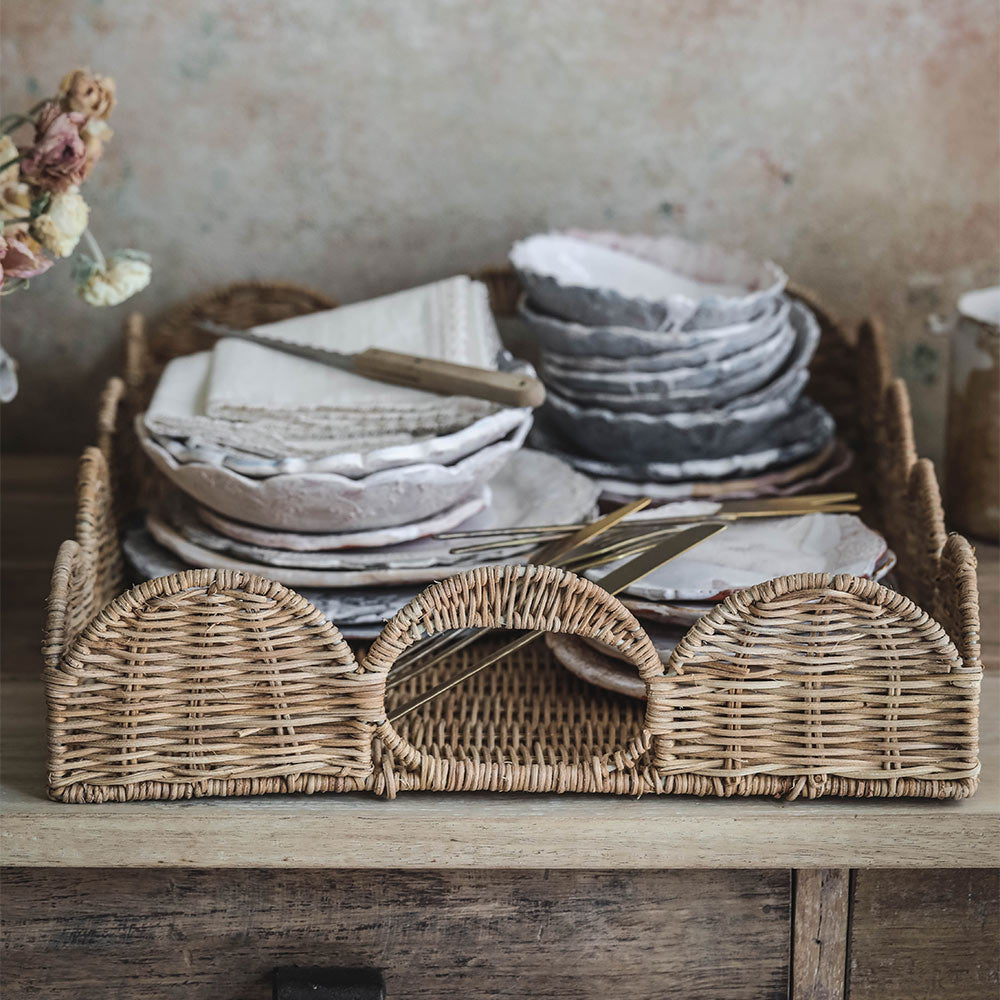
269 478
673 369
672 598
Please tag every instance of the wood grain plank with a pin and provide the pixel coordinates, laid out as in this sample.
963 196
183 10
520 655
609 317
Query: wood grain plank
925 935
819 933
552 934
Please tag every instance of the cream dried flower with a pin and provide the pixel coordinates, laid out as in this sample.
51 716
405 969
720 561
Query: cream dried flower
15 202
124 274
95 134
62 224
8 151
88 93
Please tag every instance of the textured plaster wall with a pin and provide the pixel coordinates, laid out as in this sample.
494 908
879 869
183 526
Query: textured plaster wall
364 146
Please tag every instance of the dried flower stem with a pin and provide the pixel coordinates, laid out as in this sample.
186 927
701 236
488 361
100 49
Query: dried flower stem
95 250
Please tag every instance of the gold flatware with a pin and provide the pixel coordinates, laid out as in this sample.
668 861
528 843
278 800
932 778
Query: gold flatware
806 501
614 582
551 556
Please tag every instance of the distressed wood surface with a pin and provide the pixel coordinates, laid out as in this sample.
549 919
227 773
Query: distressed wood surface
925 936
819 933
420 830
713 935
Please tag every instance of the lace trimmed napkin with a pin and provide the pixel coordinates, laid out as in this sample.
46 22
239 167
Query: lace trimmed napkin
269 403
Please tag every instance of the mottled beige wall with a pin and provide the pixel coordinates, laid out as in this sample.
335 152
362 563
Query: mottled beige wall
364 146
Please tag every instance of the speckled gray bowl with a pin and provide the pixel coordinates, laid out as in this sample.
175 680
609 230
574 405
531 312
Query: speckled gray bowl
621 348
643 282
669 437
772 370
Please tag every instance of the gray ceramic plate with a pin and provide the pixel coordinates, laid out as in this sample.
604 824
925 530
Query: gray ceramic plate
644 283
769 484
611 348
680 437
805 433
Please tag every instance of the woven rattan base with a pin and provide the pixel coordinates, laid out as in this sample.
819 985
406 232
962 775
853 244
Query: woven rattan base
216 682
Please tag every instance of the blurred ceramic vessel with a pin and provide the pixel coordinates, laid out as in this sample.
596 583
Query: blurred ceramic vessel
973 441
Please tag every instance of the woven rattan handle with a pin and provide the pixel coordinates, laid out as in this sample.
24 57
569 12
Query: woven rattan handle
516 597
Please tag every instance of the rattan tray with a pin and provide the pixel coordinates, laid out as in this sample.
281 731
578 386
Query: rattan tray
214 682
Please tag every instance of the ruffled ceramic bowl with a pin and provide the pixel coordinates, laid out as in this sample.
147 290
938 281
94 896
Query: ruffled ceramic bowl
621 348
316 501
773 369
645 283
676 437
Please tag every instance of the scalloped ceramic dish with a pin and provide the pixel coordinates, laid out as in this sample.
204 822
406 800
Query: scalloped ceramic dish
441 450
373 538
619 348
326 502
535 489
648 284
532 489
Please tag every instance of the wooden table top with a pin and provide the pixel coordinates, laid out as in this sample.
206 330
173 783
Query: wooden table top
420 830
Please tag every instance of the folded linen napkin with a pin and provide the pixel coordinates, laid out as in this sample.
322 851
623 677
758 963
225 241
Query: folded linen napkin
449 319
265 402
177 410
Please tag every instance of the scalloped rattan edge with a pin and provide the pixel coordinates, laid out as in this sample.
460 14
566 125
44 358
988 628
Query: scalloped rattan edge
852 376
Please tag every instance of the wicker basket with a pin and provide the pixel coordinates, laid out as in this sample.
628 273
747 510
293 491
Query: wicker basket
214 682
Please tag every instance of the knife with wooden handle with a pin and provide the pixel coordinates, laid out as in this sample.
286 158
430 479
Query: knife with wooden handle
429 374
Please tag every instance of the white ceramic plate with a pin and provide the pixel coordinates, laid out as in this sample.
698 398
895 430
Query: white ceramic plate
373 538
535 489
359 612
752 552
326 502
645 283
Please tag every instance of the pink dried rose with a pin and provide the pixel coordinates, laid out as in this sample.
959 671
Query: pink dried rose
58 157
22 256
88 93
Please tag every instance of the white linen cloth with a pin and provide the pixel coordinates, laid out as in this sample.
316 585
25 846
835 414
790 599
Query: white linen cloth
275 404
